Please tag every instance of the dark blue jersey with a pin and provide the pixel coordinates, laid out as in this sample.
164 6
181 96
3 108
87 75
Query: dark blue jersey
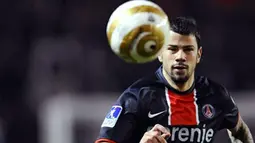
193 116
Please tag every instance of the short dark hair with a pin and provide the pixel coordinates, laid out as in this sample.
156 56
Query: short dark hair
185 26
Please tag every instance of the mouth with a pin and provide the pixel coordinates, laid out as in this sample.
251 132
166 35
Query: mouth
180 67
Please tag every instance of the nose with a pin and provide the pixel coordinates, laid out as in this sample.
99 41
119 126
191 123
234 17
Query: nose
180 56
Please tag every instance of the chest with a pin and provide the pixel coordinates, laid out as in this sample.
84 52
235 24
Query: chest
170 109
189 118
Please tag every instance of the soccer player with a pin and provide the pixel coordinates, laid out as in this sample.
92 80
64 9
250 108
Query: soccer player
173 105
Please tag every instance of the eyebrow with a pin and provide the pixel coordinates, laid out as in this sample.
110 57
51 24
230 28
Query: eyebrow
185 46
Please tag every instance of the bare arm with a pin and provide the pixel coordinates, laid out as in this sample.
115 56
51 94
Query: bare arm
240 132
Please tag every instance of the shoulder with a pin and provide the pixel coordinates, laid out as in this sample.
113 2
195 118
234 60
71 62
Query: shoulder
142 87
135 98
206 84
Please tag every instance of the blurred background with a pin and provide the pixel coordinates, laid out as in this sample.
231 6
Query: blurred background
58 76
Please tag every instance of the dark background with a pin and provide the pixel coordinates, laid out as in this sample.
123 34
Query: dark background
53 46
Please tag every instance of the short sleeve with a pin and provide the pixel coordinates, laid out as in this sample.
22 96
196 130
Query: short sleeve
121 120
231 113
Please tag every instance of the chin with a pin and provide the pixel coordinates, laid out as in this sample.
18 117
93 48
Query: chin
180 79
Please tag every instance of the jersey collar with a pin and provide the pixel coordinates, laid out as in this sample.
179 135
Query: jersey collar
160 76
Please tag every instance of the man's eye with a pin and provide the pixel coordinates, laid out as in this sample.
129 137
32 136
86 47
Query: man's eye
172 48
188 49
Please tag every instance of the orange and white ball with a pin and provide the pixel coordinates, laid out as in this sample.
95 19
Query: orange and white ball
137 31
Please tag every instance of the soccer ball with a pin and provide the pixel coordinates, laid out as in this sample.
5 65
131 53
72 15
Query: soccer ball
137 31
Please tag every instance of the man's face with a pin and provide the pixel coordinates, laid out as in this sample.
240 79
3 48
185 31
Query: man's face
179 59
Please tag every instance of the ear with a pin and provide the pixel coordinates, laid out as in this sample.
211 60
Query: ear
199 54
160 58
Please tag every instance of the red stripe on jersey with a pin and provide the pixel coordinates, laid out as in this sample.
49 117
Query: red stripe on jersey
104 140
183 110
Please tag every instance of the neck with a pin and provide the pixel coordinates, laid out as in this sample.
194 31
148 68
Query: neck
180 87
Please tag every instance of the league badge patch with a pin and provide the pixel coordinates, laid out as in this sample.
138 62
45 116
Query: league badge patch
112 117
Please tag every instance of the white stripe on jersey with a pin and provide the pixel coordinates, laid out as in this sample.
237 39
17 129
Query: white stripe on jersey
169 105
195 102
